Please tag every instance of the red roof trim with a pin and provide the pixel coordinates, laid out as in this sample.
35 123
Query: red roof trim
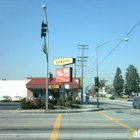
42 81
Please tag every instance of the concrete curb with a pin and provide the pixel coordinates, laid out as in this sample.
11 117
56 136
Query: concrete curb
73 111
49 111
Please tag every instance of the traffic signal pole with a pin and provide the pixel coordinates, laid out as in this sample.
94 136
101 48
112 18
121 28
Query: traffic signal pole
44 31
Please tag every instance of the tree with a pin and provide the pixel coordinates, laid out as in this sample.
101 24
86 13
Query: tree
109 89
92 90
132 80
102 83
118 82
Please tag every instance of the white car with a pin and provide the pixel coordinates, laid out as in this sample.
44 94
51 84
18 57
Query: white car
136 102
6 98
17 99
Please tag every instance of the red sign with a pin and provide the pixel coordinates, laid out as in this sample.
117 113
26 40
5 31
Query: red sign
64 74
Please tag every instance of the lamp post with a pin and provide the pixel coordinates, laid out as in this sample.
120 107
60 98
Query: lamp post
45 49
125 39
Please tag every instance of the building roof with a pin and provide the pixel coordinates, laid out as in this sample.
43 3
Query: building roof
40 83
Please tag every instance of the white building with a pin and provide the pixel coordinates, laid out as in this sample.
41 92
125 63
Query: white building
13 88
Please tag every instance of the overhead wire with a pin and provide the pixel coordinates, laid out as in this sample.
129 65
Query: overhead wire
115 47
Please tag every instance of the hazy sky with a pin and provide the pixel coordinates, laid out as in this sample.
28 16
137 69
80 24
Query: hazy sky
71 22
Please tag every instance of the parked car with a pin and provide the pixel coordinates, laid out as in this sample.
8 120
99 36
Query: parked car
136 102
17 99
112 98
6 99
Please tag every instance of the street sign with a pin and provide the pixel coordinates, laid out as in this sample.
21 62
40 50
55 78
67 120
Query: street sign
67 86
53 86
63 61
64 74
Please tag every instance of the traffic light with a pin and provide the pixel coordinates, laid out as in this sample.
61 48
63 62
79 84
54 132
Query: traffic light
51 77
96 89
43 29
96 81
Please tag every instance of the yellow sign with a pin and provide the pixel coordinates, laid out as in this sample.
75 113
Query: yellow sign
53 86
63 61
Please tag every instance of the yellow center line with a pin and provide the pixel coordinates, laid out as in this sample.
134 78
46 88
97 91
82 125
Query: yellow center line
55 132
116 121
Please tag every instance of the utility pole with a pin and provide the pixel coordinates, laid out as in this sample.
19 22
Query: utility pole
75 70
83 47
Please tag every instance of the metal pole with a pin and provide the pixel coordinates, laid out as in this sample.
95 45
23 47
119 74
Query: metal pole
125 39
82 72
47 56
97 77
63 92
46 75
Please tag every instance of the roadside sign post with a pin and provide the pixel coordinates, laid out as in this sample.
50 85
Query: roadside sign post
64 74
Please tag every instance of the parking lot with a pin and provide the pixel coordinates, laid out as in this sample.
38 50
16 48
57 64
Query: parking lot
9 105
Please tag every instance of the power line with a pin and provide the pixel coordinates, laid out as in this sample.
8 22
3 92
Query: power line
120 42
116 46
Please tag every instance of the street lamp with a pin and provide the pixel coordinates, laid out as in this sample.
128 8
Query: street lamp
123 39
45 49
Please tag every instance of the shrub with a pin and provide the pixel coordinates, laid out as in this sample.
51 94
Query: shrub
37 102
32 102
69 98
60 102
68 103
75 102
61 107
50 106
54 102
33 106
27 105
75 106
43 107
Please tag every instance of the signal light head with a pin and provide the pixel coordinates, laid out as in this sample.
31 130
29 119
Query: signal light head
43 29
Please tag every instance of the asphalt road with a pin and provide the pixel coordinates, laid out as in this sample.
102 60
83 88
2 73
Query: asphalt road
115 122
9 105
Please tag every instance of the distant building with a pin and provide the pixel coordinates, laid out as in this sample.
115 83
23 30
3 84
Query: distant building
35 86
13 88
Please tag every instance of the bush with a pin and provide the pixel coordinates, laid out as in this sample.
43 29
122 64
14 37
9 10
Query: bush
50 106
37 103
43 107
68 103
60 102
75 102
32 102
61 107
27 105
69 98
75 106
54 102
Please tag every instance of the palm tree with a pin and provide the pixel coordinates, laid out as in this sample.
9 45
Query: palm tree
102 83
